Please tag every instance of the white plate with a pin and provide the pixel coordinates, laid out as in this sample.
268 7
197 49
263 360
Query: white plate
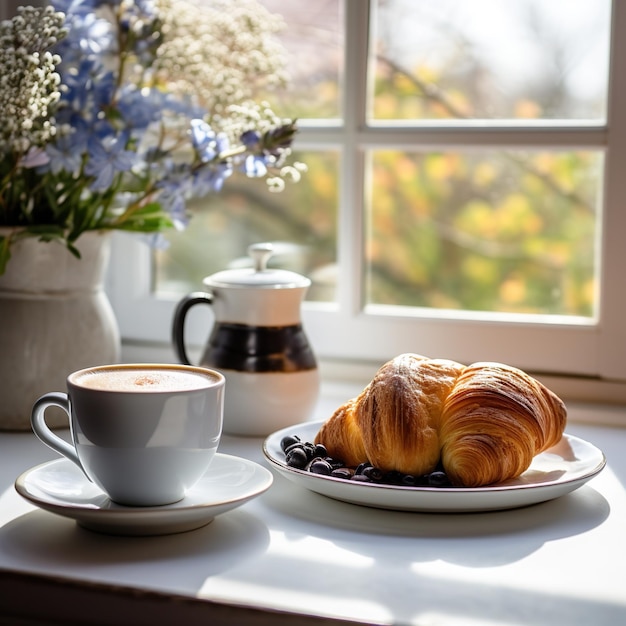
60 487
553 473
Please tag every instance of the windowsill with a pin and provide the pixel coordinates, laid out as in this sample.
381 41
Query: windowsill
292 557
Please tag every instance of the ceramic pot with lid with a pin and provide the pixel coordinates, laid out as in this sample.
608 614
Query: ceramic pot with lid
258 343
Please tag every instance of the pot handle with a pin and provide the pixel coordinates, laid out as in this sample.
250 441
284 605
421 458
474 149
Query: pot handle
178 327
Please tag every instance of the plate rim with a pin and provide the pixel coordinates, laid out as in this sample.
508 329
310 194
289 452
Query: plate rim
307 476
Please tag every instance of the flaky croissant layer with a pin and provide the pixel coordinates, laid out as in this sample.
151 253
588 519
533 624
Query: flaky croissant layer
484 422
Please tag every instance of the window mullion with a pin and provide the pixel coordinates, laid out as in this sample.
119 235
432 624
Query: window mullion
484 136
351 201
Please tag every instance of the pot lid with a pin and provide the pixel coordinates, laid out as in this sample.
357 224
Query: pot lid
258 276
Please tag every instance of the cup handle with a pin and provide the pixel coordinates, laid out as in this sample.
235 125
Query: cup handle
38 422
178 327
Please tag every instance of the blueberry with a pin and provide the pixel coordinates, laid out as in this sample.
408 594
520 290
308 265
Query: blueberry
373 473
359 470
438 479
297 457
335 463
314 458
393 477
320 450
342 472
297 445
408 480
320 466
287 441
309 448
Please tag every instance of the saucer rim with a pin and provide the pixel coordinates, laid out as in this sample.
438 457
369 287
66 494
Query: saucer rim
264 478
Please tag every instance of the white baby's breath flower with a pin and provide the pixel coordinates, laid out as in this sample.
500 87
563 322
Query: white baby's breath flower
220 53
289 172
30 84
275 184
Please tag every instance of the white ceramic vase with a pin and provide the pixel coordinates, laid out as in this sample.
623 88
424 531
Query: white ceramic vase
55 318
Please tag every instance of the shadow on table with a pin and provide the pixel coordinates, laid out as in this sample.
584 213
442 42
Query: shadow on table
44 542
495 537
441 568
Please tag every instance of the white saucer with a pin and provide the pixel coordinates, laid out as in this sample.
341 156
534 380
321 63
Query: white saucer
60 487
553 473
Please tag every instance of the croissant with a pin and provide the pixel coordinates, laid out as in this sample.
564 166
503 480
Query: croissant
483 422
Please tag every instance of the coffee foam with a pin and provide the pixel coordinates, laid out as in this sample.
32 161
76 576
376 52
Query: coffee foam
144 380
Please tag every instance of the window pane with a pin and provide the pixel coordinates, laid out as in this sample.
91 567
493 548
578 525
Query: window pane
304 215
488 59
314 41
302 220
485 231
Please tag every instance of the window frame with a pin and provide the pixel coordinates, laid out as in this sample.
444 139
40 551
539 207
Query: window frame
337 330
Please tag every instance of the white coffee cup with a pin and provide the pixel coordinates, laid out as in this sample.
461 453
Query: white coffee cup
143 433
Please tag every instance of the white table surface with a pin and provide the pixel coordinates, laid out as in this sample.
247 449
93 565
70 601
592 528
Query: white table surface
294 557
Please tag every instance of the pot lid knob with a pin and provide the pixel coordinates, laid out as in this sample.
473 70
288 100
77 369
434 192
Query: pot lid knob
260 254
259 276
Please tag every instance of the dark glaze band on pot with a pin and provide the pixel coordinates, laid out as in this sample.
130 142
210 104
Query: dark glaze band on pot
259 348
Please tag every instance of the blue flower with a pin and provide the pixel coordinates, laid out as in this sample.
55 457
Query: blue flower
35 157
141 107
207 144
172 197
103 90
77 82
255 166
251 139
88 34
66 153
78 6
106 159
211 179
173 202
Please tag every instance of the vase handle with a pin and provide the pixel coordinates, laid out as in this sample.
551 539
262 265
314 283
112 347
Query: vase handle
178 327
43 432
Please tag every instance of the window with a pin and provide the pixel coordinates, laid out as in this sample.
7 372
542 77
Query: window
466 190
